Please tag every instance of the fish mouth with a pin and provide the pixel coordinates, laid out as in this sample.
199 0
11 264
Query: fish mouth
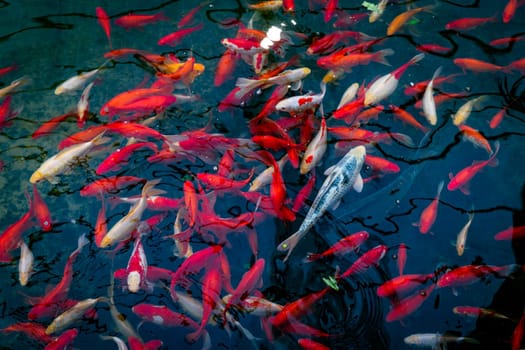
36 177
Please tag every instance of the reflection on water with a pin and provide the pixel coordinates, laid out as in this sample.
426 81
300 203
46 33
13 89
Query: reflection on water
47 43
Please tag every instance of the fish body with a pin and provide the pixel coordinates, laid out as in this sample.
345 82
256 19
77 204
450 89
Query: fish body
436 340
315 150
77 82
63 160
296 104
429 105
137 267
138 21
462 235
340 177
71 315
429 214
25 265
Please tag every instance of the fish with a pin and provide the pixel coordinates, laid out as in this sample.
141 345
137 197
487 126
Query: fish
25 265
429 105
63 161
124 227
429 214
14 85
133 20
384 86
468 23
315 150
509 10
475 311
174 39
409 304
464 111
462 235
41 211
296 104
83 105
475 137
368 259
121 156
377 11
137 267
104 21
436 340
403 18
68 317
462 178
340 177
250 281
289 76
77 82
469 274
400 285
479 66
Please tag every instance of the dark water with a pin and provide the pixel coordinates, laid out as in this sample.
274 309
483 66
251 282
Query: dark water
50 41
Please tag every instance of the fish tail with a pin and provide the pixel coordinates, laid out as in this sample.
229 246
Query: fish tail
247 85
381 56
312 257
149 189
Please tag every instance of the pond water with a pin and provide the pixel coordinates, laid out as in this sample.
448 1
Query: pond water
51 41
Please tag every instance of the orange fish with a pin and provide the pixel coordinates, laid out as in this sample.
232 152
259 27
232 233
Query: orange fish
104 21
429 214
478 66
475 137
138 21
469 23
462 178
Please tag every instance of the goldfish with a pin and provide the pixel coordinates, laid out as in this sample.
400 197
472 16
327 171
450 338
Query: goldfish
25 265
407 117
497 118
162 316
475 137
265 177
344 245
303 194
41 211
309 344
250 281
401 257
315 150
468 23
63 340
12 236
478 66
381 164
475 311
173 39
132 20
429 214
464 111
225 67
121 155
365 261
469 274
404 17
47 127
409 304
77 82
266 6
509 10
429 105
402 284
341 60
340 177
384 86
462 178
124 227
104 21
513 232
349 95
111 184
462 235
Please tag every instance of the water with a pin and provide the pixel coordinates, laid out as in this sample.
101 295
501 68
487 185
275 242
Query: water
52 41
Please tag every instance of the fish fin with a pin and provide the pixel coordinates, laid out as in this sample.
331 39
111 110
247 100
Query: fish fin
54 180
296 85
329 170
465 189
358 183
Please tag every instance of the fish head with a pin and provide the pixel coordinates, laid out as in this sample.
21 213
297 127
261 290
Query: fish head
36 177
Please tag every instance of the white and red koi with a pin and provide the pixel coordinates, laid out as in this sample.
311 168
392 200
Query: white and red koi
137 268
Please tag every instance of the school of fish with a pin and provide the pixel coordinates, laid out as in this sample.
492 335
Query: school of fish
301 158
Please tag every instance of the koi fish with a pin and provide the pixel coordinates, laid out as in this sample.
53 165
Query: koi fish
497 118
47 127
463 177
48 305
409 304
104 21
429 214
436 340
137 267
111 184
83 105
469 23
340 177
173 39
403 18
63 340
401 257
315 150
462 235
344 245
265 177
381 164
429 105
384 86
68 317
475 137
25 265
15 85
464 111
77 82
349 95
125 226
342 60
250 281
293 76
513 232
296 104
163 316
365 261
407 117
509 10
402 284
121 155
309 344
132 20
41 211
64 160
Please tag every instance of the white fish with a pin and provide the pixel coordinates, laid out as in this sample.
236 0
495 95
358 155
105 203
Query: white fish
462 235
181 249
14 85
464 111
25 265
124 227
315 150
436 340
340 177
63 160
121 344
77 82
384 86
378 11
349 95
83 104
289 76
301 103
65 319
429 105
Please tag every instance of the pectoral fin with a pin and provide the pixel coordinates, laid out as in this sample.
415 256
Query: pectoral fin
358 184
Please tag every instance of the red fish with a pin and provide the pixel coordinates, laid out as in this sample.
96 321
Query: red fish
469 23
365 261
225 67
513 232
381 165
429 214
50 303
331 6
112 184
343 246
104 21
138 21
191 201
41 211
163 316
137 268
250 281
509 10
173 39
289 5
10 238
462 178
309 344
101 227
33 330
63 340
114 161
303 194
47 127
137 344
433 48
401 257
497 118
136 130
188 18
402 284
479 66
469 274
407 117
217 182
517 334
408 305
297 308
